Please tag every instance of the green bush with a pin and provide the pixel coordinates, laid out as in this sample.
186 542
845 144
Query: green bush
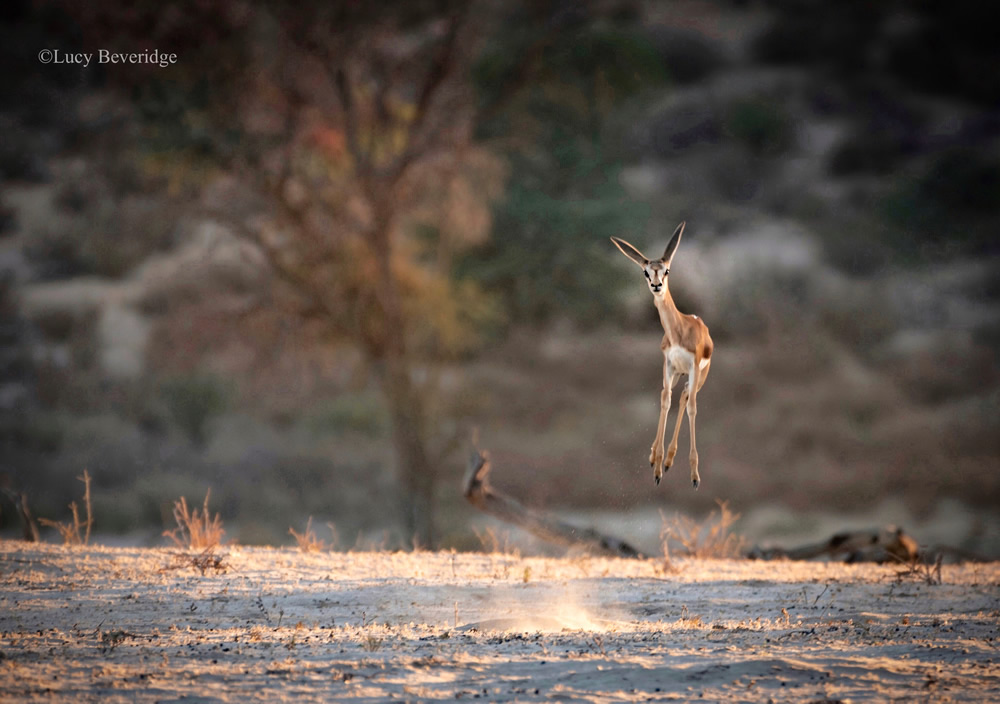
549 255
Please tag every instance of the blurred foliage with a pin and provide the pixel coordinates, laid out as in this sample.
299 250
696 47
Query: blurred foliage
760 124
937 163
548 255
952 50
814 31
193 400
100 235
363 413
36 100
950 205
866 152
688 56
887 128
934 46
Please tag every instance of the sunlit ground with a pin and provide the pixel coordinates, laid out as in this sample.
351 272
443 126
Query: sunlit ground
113 624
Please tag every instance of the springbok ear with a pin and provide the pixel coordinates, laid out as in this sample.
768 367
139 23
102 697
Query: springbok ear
668 254
630 252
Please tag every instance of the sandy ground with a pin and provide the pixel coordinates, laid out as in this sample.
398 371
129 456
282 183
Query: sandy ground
129 624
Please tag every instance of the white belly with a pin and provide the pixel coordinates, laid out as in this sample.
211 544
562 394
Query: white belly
682 361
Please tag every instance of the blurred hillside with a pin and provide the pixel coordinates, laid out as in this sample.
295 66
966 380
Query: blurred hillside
838 166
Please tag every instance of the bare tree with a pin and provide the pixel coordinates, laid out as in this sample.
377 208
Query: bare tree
377 122
352 124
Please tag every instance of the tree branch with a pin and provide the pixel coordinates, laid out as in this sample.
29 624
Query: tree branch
480 494
443 64
343 86
19 500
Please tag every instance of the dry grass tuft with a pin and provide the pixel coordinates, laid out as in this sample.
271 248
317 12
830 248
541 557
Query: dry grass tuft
667 566
307 541
922 571
371 644
711 538
195 530
494 542
70 532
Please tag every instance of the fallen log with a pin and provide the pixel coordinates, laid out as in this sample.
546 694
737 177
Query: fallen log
477 490
888 545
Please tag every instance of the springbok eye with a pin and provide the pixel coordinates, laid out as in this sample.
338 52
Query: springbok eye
646 273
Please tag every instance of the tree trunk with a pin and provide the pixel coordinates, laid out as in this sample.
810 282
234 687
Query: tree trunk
416 475
407 407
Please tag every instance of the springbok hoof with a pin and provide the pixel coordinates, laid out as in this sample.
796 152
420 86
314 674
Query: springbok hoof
656 478
695 483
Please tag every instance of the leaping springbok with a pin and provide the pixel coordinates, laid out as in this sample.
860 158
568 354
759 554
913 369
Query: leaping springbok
687 349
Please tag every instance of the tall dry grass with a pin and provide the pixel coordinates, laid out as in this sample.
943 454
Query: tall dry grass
70 532
711 538
196 530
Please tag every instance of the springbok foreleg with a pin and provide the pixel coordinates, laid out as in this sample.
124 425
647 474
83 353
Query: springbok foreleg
672 449
656 451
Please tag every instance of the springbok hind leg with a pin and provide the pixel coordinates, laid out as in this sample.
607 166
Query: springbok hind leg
697 379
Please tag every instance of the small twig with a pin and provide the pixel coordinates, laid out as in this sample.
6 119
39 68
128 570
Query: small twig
816 600
202 561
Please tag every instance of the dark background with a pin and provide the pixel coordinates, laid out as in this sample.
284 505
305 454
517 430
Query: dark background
302 264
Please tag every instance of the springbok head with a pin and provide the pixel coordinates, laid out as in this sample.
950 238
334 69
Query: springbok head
655 270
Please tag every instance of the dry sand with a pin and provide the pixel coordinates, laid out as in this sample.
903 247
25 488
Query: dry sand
128 624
